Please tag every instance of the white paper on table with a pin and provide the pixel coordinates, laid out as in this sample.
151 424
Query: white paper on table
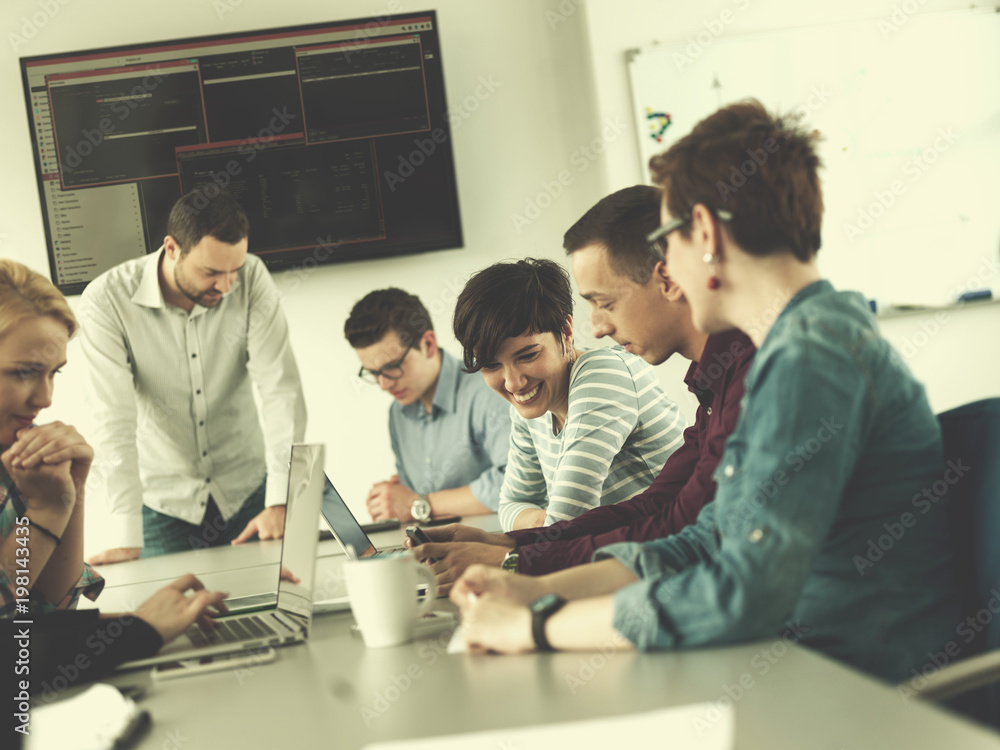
91 720
705 726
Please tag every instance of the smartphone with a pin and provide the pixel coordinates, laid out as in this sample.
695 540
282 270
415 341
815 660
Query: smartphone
417 536
216 663
442 521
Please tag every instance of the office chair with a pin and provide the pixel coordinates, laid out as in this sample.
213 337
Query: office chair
972 439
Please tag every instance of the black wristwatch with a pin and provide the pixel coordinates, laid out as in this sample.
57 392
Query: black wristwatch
510 562
541 610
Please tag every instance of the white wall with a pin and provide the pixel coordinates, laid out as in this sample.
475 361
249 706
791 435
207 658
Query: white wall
562 87
955 356
521 135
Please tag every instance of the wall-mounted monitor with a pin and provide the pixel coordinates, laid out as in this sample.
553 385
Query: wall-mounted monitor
334 137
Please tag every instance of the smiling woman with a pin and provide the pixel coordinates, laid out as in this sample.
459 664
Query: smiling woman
590 427
44 468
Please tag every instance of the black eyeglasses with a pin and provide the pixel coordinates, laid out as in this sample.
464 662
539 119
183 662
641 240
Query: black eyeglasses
657 239
392 371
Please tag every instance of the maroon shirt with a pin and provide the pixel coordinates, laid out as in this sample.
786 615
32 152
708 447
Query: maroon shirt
684 485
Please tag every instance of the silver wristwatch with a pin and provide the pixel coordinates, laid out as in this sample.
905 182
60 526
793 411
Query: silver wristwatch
421 509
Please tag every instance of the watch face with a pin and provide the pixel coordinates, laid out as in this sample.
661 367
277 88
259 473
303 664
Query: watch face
510 562
421 509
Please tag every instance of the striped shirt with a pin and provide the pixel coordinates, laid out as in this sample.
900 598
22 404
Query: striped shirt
172 398
620 429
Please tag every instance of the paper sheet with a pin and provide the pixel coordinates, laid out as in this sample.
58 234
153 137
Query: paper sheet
705 726
91 720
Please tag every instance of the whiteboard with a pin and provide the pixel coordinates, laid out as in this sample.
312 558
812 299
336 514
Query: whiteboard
909 108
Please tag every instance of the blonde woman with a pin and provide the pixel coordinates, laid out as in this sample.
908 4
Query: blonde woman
44 466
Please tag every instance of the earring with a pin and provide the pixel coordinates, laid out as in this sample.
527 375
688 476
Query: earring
713 280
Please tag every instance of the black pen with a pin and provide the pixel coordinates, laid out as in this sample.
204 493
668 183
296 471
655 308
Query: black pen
135 729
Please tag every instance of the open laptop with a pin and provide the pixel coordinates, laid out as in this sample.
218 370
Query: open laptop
346 529
288 619
331 593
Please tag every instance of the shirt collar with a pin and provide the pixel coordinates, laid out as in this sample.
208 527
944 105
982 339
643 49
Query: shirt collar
812 290
445 390
722 352
148 293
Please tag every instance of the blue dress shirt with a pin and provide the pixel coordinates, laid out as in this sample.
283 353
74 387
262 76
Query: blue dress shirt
828 523
462 441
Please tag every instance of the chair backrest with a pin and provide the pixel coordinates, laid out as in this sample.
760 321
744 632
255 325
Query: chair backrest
971 436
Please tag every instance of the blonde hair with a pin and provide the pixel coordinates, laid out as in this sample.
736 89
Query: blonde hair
25 293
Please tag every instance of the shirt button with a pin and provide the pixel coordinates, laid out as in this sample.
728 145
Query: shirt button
204 453
729 470
756 535
197 393
202 423
193 356
709 411
208 479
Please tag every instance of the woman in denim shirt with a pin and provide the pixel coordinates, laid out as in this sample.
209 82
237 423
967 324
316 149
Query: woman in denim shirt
828 526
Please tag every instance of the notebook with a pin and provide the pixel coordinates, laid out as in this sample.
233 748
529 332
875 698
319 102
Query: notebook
288 619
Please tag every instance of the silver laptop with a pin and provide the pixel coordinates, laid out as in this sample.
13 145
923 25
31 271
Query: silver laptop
288 619
330 593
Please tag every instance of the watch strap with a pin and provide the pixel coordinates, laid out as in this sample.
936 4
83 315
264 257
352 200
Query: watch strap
541 610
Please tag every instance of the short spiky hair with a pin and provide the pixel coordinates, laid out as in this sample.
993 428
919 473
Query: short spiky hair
759 167
620 223
510 299
207 211
386 310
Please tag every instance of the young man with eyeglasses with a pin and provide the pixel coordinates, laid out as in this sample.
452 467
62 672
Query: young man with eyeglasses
449 433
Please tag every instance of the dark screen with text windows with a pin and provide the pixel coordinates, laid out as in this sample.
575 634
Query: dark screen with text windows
334 138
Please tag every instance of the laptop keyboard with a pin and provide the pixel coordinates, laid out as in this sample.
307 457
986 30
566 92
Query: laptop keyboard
387 552
229 631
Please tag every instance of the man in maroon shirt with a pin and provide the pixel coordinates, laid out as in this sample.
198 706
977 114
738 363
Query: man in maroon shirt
635 303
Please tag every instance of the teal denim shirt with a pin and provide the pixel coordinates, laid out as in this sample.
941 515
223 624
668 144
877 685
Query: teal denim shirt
829 521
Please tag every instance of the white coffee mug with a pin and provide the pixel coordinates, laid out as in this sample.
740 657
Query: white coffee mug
383 594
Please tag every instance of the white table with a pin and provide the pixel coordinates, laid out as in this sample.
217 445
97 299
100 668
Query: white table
333 692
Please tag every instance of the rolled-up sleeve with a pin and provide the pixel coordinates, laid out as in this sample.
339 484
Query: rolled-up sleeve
772 512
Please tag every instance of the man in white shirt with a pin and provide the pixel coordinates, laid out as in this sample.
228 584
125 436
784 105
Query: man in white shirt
173 341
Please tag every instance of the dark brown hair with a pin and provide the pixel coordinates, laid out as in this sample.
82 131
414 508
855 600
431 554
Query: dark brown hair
386 310
510 299
207 211
759 167
620 223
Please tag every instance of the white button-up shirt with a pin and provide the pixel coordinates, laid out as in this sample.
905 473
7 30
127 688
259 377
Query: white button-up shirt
172 398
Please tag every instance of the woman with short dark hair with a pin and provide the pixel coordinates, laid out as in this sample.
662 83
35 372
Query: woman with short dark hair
589 427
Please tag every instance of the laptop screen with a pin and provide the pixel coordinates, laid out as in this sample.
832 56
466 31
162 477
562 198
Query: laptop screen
298 549
343 524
